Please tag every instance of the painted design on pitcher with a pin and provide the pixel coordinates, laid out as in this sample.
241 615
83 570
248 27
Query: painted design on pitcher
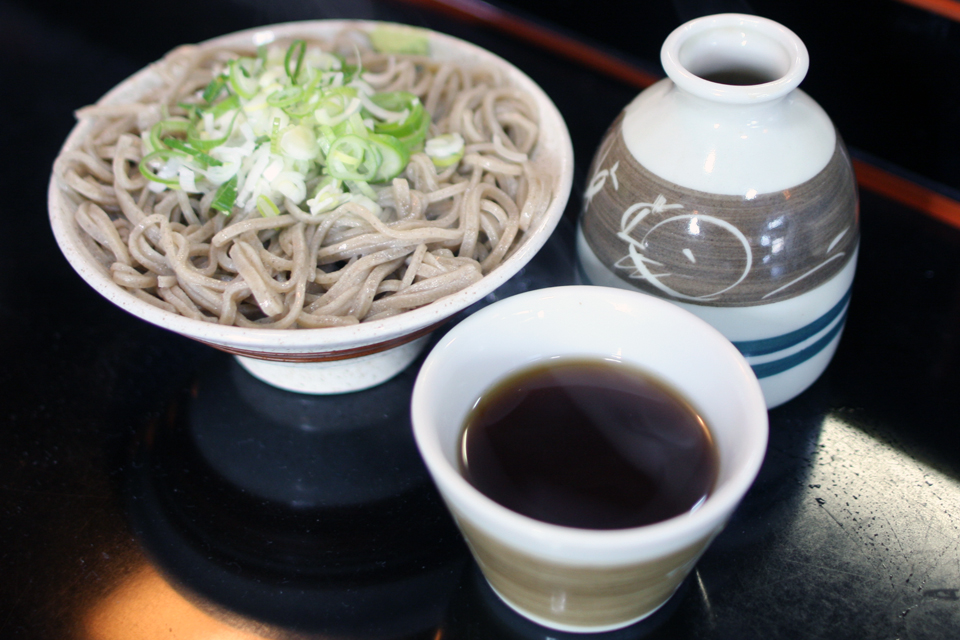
600 180
718 250
639 264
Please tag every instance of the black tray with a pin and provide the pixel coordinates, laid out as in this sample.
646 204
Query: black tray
141 483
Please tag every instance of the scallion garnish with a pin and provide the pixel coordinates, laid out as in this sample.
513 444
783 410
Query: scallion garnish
297 48
164 127
179 145
163 158
275 136
225 196
266 127
213 89
267 207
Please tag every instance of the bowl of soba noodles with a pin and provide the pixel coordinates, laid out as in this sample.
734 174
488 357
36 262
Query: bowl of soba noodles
315 197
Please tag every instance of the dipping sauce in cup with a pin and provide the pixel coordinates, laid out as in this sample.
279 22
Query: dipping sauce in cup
591 444
568 576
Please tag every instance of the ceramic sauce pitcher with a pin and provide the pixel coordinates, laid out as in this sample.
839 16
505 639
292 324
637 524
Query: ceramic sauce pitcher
727 190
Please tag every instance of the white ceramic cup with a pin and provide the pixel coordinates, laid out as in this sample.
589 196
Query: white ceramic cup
577 579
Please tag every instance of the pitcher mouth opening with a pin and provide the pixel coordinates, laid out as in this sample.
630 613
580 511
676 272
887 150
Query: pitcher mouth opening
735 58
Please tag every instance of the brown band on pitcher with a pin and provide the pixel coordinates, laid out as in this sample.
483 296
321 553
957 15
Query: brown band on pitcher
718 250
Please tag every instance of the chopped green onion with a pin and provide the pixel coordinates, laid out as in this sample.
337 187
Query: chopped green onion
193 110
214 88
275 136
393 157
316 124
326 138
335 105
353 158
359 187
180 145
300 47
305 106
350 72
240 80
299 143
267 207
445 150
298 100
285 97
225 196
400 40
164 127
354 125
205 144
163 156
412 130
227 104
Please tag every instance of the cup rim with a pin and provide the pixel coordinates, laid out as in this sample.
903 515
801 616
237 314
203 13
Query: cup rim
548 538
799 59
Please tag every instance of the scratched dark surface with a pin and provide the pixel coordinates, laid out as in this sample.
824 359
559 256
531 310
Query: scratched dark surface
145 492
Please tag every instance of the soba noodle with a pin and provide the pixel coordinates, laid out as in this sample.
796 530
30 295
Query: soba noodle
432 232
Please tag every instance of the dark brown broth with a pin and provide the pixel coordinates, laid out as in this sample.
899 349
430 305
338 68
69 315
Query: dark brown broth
588 444
737 77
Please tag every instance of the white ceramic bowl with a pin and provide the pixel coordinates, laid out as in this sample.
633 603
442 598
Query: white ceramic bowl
336 359
578 579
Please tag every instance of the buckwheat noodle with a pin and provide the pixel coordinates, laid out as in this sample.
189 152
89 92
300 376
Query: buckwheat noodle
437 233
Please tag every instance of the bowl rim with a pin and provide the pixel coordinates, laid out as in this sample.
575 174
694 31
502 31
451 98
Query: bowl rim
325 339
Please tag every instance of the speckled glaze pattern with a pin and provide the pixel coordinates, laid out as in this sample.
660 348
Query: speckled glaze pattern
718 250
578 597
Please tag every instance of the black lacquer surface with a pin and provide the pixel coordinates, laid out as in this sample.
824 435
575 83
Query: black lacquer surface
146 492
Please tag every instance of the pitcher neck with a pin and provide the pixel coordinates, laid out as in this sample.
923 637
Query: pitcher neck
735 59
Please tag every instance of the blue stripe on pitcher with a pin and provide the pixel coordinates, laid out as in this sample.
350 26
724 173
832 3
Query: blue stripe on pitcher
837 315
754 348
771 345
